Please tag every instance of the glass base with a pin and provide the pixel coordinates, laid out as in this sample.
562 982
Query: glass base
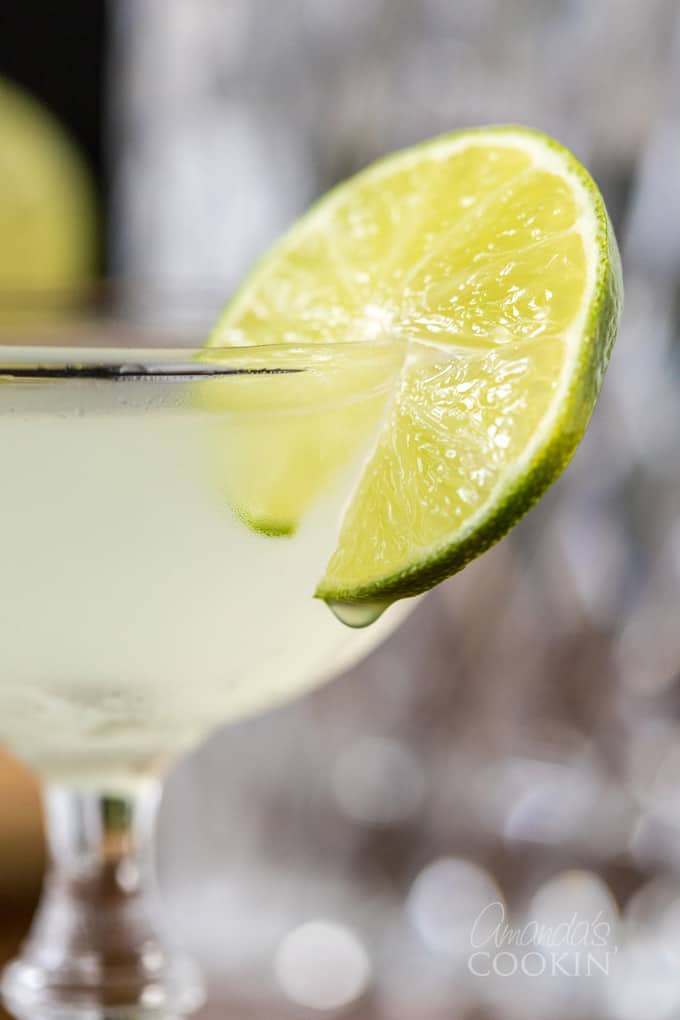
83 991
95 950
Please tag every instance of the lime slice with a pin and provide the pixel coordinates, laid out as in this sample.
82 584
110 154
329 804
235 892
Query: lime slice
289 421
47 235
489 254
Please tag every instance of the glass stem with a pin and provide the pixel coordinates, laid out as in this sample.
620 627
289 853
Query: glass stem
94 946
101 843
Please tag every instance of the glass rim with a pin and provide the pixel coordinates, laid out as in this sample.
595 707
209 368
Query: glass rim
42 361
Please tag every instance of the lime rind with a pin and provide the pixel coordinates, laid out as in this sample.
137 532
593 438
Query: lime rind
268 528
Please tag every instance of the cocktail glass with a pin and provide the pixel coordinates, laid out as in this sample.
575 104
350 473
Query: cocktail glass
140 609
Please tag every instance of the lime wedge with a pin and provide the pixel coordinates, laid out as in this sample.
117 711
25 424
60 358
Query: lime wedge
489 255
289 421
47 232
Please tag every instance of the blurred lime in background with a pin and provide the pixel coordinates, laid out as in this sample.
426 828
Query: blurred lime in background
47 207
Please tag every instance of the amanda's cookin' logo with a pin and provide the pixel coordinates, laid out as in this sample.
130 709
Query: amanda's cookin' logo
577 947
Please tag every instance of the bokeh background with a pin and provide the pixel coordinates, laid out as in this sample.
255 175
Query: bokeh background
518 740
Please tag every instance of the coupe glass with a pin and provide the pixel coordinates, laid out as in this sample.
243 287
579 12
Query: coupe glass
141 607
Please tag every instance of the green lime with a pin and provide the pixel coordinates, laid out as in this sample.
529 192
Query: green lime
290 422
488 254
47 219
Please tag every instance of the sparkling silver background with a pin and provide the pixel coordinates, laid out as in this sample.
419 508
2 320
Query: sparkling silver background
519 739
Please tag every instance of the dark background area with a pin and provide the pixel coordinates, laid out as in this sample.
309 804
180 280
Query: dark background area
57 53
